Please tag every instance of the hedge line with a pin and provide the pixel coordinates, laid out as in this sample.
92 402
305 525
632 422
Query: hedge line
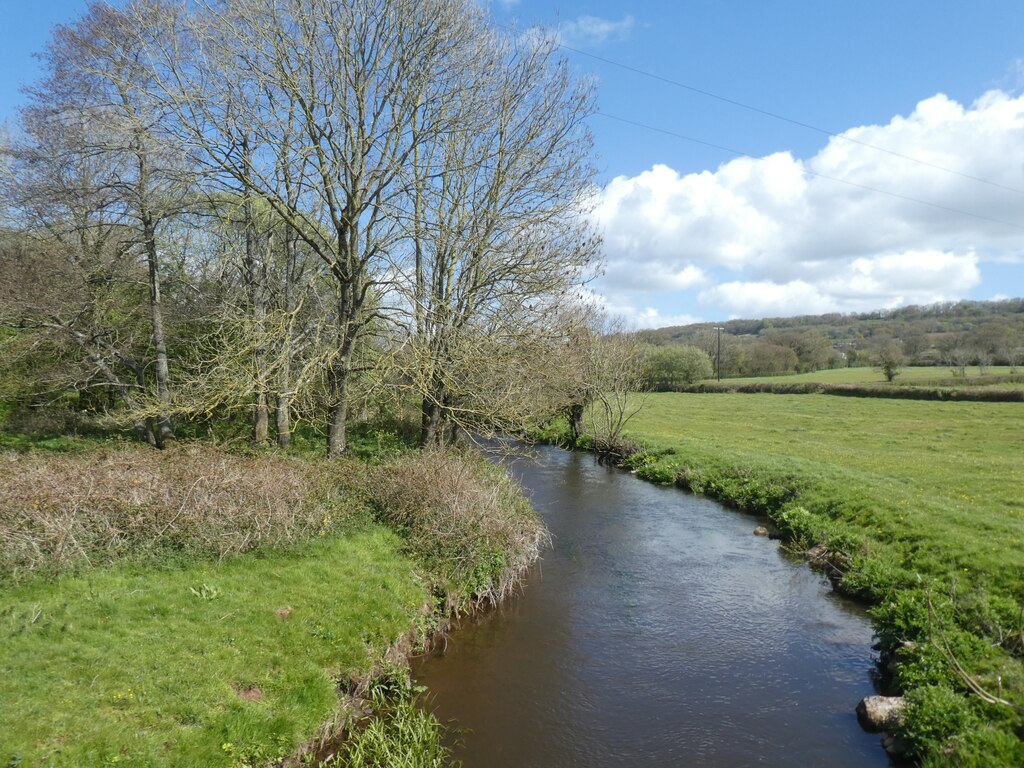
902 392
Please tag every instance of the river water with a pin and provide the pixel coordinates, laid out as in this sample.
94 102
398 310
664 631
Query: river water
657 631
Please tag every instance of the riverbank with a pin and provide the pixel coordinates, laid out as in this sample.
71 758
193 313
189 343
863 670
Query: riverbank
197 607
913 506
656 632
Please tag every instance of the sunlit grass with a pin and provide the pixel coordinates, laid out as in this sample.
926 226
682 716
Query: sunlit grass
231 663
947 476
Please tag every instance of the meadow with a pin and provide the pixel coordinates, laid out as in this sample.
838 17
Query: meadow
227 663
918 375
914 506
945 474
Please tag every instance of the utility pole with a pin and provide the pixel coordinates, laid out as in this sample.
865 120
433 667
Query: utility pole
718 357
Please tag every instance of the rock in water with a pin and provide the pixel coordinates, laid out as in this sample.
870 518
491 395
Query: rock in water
880 713
760 531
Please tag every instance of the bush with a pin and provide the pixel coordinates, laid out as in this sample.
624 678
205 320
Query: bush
903 617
901 392
797 525
63 512
649 466
933 716
668 368
464 519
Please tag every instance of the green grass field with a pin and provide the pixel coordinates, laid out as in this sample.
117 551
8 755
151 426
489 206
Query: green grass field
231 664
921 503
868 375
947 474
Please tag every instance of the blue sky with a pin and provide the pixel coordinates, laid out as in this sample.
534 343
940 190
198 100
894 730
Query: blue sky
696 233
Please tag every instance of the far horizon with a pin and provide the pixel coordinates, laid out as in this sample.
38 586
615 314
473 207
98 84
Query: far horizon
882 313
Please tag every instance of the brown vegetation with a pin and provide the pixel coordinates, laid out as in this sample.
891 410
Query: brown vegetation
62 512
468 519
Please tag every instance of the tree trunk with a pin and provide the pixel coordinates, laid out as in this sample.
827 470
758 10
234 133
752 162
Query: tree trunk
164 432
254 282
336 436
144 430
433 419
284 422
336 433
430 419
283 415
575 423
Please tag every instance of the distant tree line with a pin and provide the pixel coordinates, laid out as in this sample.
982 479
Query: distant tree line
957 335
301 212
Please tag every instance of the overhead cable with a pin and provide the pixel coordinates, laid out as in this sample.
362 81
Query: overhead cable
791 121
836 179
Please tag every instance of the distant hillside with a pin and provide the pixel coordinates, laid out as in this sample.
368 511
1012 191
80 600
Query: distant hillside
956 334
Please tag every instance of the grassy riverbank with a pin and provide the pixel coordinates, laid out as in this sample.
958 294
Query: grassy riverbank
916 506
197 607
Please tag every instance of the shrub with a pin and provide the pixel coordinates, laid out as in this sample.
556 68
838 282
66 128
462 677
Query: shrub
62 512
651 467
933 716
670 367
464 518
904 616
797 525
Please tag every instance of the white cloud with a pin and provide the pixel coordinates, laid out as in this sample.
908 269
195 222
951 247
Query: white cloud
637 317
867 283
767 299
649 317
780 240
594 30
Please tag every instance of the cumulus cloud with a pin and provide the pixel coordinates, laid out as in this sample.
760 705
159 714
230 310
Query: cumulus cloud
778 235
865 284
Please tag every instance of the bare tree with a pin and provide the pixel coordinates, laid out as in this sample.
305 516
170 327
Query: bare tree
71 273
498 227
98 83
616 374
328 89
956 353
595 381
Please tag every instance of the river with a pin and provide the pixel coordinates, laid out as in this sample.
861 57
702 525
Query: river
657 631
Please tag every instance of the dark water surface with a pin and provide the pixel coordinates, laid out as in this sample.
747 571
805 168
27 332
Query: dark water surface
658 631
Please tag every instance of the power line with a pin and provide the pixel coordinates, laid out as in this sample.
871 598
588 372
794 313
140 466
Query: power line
836 179
791 121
